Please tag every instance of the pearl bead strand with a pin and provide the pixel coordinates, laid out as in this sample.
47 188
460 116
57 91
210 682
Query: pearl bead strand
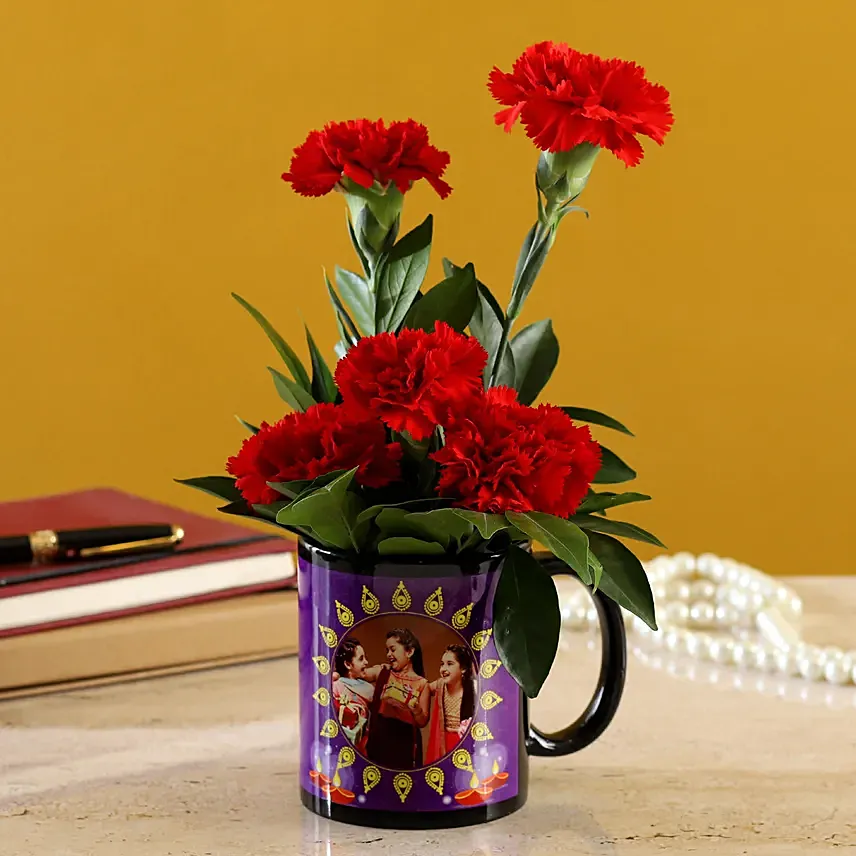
727 613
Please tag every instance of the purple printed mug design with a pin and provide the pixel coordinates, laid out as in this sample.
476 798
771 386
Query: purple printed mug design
405 703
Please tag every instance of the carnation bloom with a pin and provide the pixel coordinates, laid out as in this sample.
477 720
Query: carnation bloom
367 152
501 456
410 380
325 438
564 98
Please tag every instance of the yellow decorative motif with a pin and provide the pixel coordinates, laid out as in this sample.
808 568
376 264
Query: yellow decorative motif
401 599
346 757
490 700
462 617
323 665
481 639
481 732
330 729
489 668
322 696
369 602
402 784
331 640
434 604
345 616
371 777
435 779
462 760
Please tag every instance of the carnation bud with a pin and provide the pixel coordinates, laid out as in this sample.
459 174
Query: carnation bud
562 176
375 213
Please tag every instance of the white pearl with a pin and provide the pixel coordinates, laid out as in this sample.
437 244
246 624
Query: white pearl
676 612
659 591
675 641
796 606
703 643
721 650
680 590
726 616
838 670
740 654
786 663
702 614
684 562
739 599
693 644
707 563
756 601
591 615
575 616
811 667
762 658
702 590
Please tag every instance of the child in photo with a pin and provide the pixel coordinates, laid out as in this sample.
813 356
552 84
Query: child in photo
452 702
352 693
399 709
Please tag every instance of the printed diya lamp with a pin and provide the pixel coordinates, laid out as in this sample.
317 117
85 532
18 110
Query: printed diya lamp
333 787
477 793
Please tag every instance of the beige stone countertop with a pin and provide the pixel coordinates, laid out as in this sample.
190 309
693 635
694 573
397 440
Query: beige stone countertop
696 761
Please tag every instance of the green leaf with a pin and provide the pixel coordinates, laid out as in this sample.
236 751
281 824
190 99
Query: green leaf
401 276
601 501
330 511
291 360
356 293
565 540
364 262
536 352
596 570
616 527
253 429
527 620
347 329
404 546
441 525
624 579
410 505
296 397
293 489
323 385
453 300
528 269
486 325
223 487
612 469
583 414
486 524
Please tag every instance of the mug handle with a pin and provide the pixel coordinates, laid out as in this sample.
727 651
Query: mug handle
610 683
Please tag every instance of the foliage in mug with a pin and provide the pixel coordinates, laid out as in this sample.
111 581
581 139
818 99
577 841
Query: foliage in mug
424 438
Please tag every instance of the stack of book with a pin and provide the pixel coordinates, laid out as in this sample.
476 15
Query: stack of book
226 594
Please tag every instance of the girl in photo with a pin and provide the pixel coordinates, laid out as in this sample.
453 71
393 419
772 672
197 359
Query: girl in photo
399 708
352 693
453 701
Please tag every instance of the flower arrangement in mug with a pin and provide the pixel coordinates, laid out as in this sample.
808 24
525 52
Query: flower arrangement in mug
424 439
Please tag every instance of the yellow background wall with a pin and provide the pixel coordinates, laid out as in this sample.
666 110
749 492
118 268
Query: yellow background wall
708 302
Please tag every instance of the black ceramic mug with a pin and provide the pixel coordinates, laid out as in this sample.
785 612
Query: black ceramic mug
408 719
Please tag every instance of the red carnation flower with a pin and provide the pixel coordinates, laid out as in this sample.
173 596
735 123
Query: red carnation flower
366 152
504 456
325 438
565 98
412 379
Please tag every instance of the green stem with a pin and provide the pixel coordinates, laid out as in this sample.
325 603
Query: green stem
515 304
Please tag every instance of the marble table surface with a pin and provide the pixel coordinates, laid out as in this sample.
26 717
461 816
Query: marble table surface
699 759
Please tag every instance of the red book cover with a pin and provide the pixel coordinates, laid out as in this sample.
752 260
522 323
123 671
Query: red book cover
112 507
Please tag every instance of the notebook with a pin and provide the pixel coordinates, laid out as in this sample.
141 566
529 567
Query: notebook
234 630
120 587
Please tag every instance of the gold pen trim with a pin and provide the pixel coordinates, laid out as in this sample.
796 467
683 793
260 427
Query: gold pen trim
134 546
44 545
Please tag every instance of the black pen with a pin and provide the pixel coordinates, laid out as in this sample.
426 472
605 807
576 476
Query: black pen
47 546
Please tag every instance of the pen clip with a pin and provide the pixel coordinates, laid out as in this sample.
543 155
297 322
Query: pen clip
135 546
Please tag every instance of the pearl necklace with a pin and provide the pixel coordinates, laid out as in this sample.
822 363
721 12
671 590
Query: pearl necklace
698 596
